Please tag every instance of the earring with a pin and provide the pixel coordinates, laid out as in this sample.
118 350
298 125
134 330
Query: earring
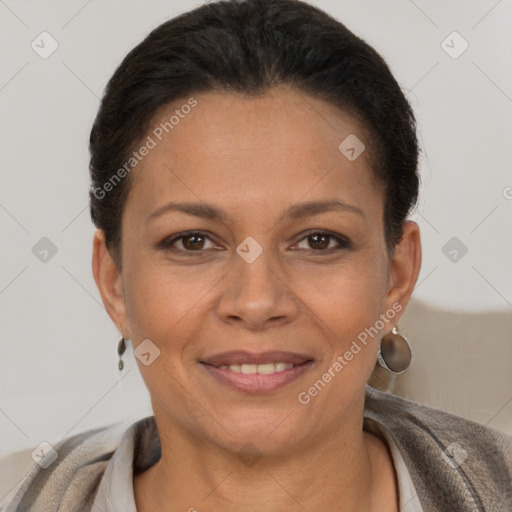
395 354
121 347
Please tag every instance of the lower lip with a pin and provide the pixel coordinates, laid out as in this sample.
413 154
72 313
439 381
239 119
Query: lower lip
256 382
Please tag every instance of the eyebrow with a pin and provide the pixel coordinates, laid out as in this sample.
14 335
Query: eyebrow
294 212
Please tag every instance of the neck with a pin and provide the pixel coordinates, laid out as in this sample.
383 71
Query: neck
349 470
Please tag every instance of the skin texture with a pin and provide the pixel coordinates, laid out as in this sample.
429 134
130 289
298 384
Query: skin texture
253 158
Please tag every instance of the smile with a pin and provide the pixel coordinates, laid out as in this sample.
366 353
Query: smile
263 369
256 373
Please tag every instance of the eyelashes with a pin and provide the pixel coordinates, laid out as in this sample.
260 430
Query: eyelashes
342 242
168 243
192 242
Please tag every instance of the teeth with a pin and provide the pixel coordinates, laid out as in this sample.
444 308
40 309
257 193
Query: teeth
249 368
263 369
266 368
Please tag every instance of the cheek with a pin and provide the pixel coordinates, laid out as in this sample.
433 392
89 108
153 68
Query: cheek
349 314
158 299
167 306
361 300
348 297
169 303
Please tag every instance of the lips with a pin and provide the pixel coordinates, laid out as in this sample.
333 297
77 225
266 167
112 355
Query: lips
240 357
257 373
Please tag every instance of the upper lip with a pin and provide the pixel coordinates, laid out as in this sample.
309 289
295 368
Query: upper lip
243 357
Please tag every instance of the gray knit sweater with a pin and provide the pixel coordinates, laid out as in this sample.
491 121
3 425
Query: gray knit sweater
456 465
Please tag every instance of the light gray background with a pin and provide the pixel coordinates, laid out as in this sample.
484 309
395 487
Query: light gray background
58 362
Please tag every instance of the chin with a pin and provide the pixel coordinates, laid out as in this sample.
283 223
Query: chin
269 430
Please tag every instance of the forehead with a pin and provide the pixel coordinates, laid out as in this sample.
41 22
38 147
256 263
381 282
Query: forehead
281 118
282 145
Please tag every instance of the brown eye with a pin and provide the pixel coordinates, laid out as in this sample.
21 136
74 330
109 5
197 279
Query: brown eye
320 241
192 241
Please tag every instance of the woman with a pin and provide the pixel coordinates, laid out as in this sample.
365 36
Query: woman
253 165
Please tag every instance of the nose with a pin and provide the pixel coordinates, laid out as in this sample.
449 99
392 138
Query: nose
257 295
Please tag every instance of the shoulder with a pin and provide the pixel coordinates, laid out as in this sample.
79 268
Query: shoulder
446 453
70 469
407 415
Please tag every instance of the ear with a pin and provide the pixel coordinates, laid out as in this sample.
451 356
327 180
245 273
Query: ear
404 267
109 282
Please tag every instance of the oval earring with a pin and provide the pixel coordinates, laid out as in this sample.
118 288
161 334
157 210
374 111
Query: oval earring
395 354
121 348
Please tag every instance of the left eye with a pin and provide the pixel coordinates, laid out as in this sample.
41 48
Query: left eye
320 241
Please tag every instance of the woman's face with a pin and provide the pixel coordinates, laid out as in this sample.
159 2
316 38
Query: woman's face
286 264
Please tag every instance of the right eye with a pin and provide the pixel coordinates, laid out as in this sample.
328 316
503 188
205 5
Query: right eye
190 241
